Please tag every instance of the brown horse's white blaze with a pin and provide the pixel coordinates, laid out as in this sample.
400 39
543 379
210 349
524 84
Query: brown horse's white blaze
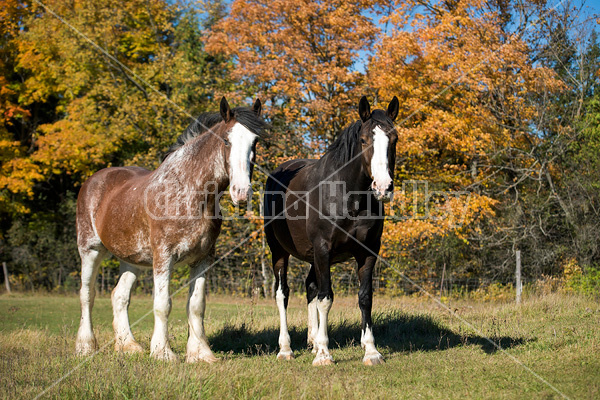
161 219
242 152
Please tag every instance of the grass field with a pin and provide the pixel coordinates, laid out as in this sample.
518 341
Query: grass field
429 353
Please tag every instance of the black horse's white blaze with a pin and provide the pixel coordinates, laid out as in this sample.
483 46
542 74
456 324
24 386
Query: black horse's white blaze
379 163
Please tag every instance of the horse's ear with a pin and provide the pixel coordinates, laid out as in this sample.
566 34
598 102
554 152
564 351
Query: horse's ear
257 108
392 110
364 109
225 110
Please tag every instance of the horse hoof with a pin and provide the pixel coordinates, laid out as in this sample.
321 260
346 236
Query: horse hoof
164 355
375 359
207 358
129 347
83 349
285 356
323 360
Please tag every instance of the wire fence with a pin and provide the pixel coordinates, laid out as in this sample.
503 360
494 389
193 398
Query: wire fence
254 279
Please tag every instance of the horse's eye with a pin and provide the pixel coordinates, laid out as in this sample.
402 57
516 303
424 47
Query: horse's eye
363 141
226 142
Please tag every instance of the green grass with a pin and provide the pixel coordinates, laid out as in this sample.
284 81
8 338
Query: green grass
429 353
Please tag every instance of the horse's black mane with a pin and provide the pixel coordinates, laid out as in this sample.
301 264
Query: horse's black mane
201 124
343 149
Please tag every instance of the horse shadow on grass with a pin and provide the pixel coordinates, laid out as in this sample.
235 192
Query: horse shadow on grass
395 331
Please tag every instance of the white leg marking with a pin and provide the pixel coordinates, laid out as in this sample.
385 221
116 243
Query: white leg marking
379 161
197 345
367 341
121 295
313 324
159 345
322 341
285 349
86 343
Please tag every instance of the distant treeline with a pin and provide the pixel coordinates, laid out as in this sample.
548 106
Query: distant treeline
499 124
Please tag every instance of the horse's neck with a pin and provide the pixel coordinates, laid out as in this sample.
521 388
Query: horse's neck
352 172
197 164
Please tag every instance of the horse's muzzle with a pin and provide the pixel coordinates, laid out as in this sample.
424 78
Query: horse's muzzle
240 195
384 196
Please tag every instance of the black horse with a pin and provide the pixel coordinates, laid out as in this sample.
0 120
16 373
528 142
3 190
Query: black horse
328 210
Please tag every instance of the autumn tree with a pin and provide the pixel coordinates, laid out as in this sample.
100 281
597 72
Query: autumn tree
13 136
91 85
467 78
302 57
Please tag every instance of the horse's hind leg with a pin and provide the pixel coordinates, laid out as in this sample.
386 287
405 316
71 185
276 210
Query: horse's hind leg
311 298
120 297
365 302
280 264
86 343
197 345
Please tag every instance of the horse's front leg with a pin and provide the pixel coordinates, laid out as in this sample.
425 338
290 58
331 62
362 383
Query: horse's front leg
197 345
365 302
159 345
324 302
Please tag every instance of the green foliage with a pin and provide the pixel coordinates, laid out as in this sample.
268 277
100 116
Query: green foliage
584 282
43 248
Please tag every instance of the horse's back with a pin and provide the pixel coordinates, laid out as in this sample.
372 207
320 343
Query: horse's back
280 178
282 232
96 194
106 181
278 183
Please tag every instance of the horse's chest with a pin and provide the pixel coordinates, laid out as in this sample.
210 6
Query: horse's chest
356 234
195 244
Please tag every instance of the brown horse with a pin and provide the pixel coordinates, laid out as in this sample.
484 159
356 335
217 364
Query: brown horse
328 210
164 218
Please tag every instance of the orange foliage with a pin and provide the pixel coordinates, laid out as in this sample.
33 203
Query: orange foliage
301 55
464 82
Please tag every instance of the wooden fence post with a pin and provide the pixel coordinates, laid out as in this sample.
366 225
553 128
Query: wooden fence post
6 282
519 284
442 282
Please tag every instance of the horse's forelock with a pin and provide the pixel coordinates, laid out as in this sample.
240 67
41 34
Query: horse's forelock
254 123
381 119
